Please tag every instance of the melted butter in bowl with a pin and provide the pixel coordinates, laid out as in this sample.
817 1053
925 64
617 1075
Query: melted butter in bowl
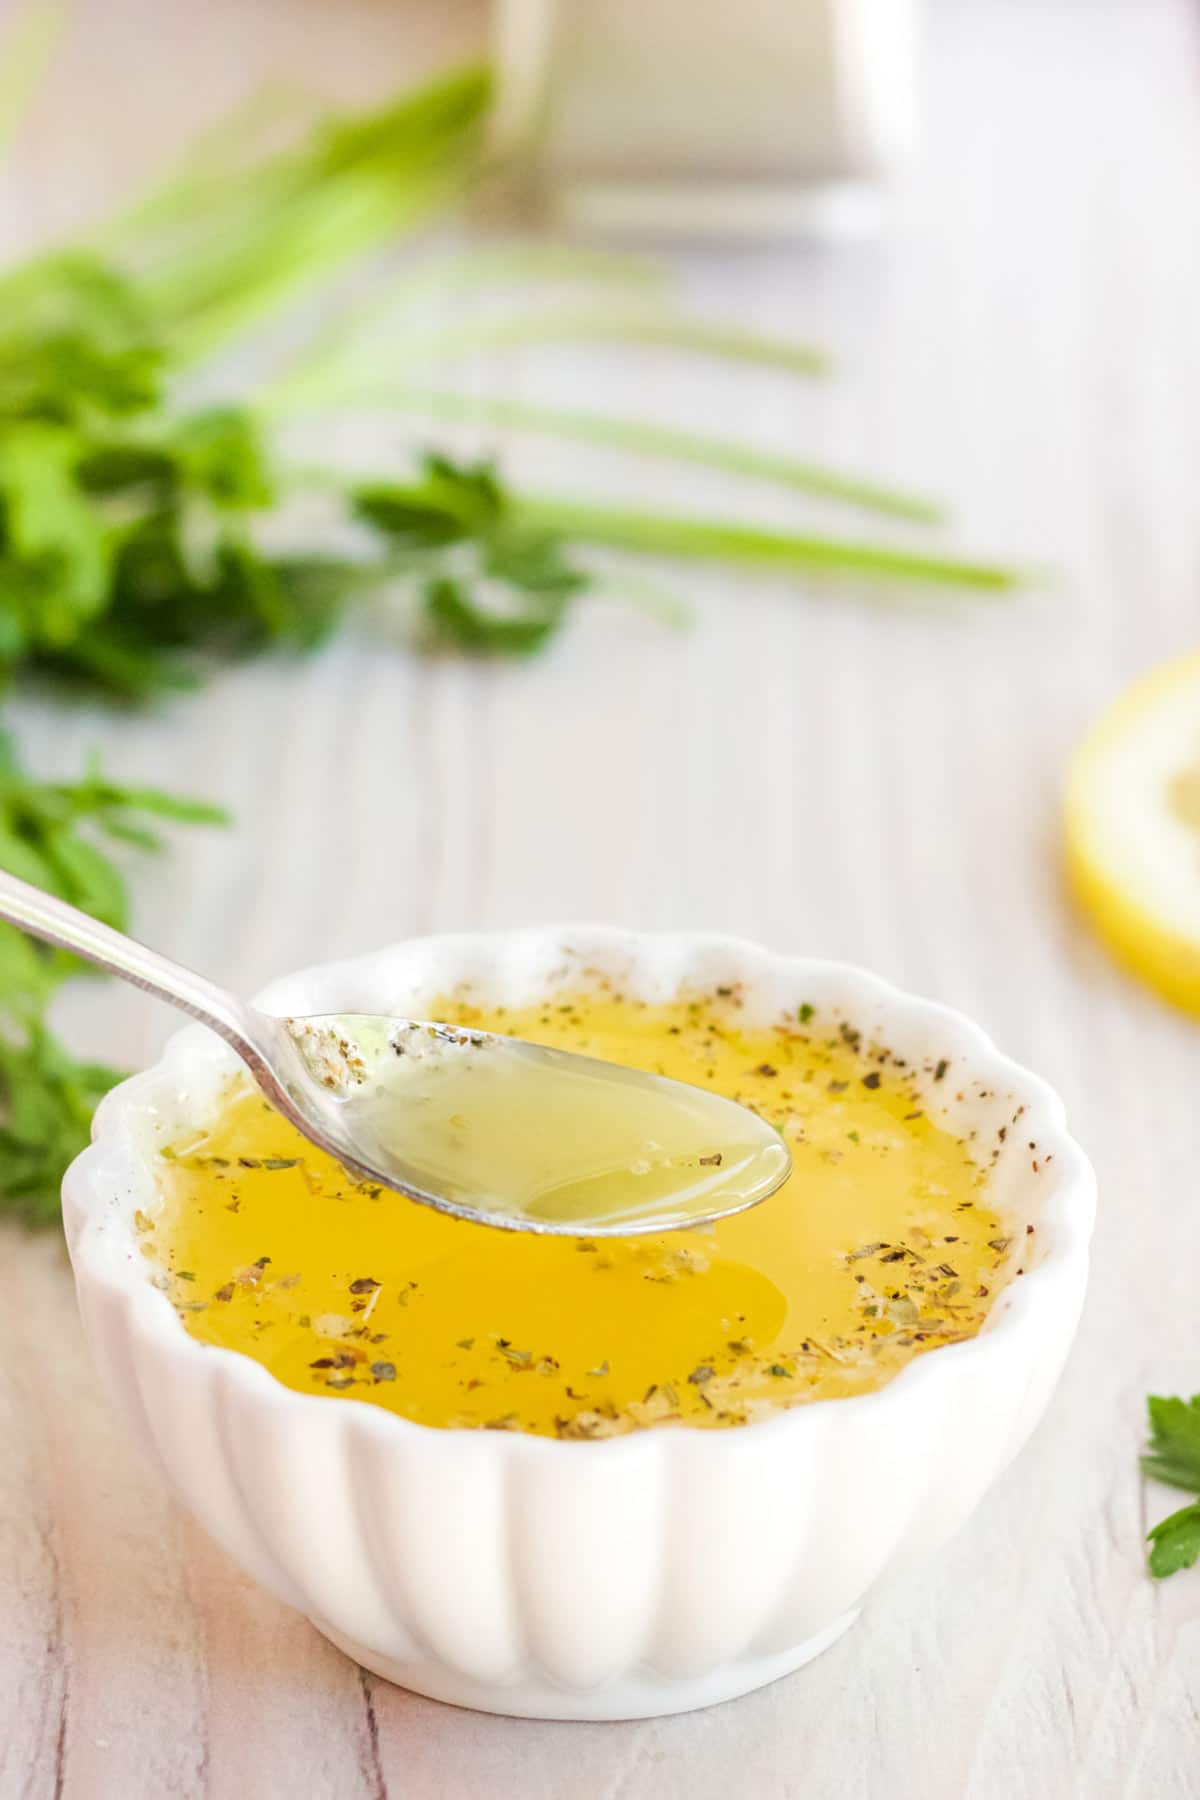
881 1246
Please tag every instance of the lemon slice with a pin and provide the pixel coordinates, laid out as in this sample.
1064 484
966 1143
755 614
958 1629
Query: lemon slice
1133 829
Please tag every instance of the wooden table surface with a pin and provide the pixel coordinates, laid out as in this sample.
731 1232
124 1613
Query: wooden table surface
879 784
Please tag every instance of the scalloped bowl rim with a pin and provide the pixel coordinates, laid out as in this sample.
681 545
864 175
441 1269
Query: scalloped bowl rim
116 1155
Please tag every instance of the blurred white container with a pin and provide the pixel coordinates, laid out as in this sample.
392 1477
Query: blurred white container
705 118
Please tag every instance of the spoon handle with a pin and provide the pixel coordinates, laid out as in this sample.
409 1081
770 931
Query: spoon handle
67 928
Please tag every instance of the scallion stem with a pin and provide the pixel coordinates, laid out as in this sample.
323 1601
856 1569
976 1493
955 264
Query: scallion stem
24 53
668 442
663 329
707 540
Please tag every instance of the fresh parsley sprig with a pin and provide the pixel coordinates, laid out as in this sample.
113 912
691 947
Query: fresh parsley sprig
488 581
55 834
47 1098
1173 1456
51 832
128 531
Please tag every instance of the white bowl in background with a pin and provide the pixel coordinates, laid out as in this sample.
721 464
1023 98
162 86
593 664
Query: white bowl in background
620 1578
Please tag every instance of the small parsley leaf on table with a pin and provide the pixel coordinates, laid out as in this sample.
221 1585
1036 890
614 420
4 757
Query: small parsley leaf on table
1175 1542
1173 1454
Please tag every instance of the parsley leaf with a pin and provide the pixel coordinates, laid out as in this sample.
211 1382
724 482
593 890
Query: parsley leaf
128 553
490 582
52 833
48 831
46 1103
1173 1455
76 343
1176 1541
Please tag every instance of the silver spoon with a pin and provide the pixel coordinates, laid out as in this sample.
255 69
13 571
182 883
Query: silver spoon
480 1126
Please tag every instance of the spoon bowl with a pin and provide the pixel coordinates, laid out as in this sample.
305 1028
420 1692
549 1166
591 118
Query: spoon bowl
527 1138
486 1128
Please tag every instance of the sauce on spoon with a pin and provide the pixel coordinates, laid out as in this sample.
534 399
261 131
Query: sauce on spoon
537 1138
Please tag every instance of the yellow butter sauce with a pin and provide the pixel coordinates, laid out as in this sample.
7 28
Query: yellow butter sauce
880 1247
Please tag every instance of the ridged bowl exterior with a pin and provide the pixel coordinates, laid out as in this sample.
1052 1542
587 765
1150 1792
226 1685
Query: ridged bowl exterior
642 1574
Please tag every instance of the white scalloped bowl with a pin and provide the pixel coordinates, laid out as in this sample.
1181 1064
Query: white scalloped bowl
643 1574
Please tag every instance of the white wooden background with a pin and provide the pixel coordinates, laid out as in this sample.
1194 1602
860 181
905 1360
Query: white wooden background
874 784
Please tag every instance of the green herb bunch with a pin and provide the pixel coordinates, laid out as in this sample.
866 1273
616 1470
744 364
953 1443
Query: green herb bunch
127 542
141 530
57 835
130 523
134 526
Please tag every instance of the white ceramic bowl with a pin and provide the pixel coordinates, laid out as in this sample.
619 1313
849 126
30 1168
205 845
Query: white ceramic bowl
643 1574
